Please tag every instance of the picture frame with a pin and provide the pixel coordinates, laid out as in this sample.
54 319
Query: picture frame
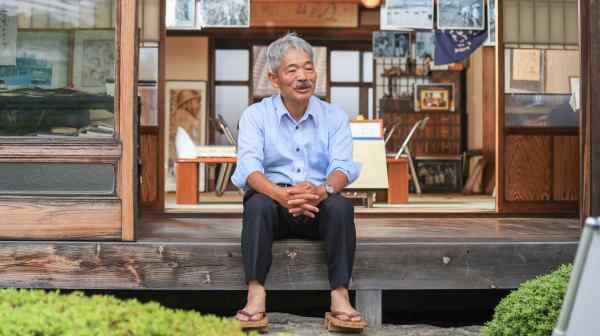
261 85
94 60
42 60
439 174
223 13
391 44
186 107
434 97
180 14
461 15
491 23
403 15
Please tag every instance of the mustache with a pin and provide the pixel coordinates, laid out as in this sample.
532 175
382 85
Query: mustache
304 84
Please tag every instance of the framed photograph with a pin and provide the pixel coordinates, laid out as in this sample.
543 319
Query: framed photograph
185 107
181 13
424 52
94 61
224 13
390 44
42 59
403 14
261 85
434 97
439 174
461 14
491 23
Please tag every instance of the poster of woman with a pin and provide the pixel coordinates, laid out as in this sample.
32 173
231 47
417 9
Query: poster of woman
186 109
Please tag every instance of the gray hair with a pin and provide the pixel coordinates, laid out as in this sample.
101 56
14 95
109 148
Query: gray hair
277 50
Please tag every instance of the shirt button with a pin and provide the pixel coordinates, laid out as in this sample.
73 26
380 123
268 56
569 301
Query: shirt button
298 170
297 127
297 149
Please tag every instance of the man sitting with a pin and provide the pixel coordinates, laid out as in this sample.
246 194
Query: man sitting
294 157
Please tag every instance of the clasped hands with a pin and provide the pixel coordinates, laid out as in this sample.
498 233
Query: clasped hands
302 198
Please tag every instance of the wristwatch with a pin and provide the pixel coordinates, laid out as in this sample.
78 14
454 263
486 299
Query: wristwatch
329 189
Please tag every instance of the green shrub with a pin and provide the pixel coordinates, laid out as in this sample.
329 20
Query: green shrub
533 308
36 312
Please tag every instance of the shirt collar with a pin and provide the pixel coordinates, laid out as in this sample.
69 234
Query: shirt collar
282 110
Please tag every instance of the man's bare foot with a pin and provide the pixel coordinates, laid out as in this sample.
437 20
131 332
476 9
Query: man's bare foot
256 303
340 302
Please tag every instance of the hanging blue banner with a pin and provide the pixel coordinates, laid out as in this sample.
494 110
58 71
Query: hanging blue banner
453 46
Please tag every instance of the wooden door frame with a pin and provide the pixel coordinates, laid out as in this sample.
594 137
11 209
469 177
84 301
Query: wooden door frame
502 205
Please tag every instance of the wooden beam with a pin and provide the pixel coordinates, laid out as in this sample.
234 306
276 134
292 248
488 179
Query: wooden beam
296 265
127 67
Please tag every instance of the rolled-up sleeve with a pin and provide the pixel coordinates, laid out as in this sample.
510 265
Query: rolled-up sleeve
250 148
340 149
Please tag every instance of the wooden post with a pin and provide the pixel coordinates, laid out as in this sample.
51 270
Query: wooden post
589 12
127 69
368 303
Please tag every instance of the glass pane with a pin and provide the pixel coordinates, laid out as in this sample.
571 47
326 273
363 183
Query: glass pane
230 102
345 66
148 64
368 67
348 98
538 110
57 179
232 65
57 80
148 94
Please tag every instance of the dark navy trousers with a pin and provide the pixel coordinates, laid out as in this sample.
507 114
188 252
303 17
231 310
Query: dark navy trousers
265 221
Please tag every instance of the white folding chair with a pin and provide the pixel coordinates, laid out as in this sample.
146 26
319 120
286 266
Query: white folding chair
404 150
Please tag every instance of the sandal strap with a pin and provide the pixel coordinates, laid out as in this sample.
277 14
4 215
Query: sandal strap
245 313
350 315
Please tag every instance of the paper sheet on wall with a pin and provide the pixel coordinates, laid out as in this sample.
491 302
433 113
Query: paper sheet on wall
526 65
8 37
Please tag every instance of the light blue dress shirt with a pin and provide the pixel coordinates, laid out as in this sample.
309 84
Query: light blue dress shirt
289 151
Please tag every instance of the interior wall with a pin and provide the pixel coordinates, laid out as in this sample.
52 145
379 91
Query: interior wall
561 65
187 58
475 100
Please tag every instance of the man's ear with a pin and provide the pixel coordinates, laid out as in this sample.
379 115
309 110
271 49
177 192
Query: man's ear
274 80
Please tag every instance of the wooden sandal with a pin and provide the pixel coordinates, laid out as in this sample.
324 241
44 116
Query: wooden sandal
334 323
261 325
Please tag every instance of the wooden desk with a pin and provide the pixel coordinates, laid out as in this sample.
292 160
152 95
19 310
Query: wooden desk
186 177
398 180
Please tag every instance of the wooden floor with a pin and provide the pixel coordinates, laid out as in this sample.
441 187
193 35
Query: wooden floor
380 230
186 253
231 203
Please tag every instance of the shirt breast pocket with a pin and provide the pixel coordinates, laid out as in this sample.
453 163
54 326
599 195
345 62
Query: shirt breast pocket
318 156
